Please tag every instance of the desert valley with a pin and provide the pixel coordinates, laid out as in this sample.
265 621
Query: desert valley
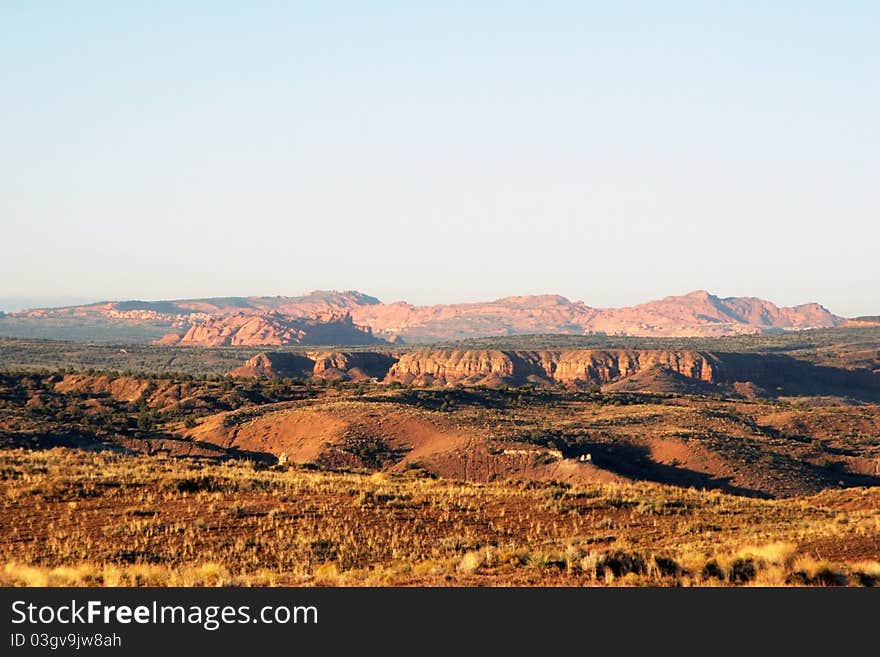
334 439
365 326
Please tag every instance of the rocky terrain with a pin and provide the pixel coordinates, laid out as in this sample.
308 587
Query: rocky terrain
702 313
654 370
329 317
273 329
328 365
765 447
502 367
570 466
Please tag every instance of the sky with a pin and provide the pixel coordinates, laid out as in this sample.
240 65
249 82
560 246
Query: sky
611 152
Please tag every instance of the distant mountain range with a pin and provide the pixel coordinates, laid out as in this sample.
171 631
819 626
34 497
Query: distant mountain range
331 317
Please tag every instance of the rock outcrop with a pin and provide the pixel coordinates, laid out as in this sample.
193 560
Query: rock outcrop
275 329
653 370
703 314
277 365
329 365
352 366
482 367
582 366
356 318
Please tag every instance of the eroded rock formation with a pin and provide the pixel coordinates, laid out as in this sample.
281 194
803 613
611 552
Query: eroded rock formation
492 367
274 329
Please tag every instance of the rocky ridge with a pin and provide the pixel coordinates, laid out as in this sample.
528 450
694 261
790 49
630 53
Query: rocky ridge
322 316
329 365
273 329
446 367
656 370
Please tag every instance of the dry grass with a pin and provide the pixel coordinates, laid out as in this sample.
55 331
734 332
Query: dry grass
79 518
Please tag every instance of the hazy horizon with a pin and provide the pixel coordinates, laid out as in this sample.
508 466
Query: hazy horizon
438 154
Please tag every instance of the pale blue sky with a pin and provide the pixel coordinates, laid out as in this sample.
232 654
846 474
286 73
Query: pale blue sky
446 151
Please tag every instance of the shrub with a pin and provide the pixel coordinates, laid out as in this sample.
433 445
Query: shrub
742 570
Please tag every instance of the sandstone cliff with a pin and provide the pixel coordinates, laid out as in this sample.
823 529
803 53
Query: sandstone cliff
695 314
585 366
330 365
276 365
483 367
655 370
293 320
702 313
354 366
274 329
